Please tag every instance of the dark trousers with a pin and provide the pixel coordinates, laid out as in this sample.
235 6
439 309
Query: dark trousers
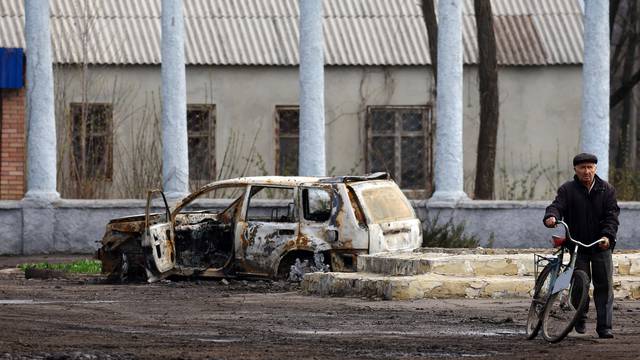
599 267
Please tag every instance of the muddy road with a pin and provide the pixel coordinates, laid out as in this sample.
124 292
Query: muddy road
81 318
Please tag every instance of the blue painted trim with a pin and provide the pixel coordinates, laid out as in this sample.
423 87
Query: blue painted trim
11 68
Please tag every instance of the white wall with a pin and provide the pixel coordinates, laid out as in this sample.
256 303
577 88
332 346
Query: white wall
539 114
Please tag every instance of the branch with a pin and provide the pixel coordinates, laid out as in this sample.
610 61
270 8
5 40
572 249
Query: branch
624 90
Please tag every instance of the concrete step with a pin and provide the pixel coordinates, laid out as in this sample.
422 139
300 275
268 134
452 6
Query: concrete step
474 262
377 286
369 285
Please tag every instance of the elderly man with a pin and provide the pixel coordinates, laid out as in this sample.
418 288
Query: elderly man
588 205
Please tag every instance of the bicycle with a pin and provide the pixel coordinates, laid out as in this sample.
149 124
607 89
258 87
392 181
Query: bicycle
560 292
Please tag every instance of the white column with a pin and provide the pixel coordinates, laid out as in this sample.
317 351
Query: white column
449 176
175 150
595 84
311 159
41 133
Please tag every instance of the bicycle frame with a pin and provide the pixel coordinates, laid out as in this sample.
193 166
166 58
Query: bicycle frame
555 261
563 280
551 299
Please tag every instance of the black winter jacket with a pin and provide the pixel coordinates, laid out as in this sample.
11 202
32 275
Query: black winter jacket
590 215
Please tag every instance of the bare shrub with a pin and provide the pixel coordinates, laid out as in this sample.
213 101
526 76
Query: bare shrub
447 234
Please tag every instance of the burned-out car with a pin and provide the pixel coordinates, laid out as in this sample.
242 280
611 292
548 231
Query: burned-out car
261 226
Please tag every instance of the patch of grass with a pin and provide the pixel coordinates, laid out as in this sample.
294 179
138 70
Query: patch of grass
80 266
447 235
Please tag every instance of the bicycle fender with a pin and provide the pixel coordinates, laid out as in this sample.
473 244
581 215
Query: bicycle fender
563 281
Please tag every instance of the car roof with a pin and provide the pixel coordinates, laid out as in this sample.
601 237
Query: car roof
297 180
279 181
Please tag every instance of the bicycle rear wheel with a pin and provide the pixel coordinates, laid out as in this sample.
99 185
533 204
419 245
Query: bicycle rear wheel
565 307
540 296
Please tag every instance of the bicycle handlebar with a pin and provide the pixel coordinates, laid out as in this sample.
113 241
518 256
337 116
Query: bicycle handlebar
566 227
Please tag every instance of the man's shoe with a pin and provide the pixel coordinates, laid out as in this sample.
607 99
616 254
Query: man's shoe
580 327
605 334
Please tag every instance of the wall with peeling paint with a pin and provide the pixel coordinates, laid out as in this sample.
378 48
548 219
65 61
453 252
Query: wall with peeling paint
540 111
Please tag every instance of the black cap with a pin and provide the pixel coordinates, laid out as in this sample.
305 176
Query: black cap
585 158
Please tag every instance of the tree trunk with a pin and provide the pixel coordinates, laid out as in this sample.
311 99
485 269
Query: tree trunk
614 5
489 101
623 37
430 21
623 79
625 119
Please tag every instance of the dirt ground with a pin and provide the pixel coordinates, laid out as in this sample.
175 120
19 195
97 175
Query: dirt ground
83 318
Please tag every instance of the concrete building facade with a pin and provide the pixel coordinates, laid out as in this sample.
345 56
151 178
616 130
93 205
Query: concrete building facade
243 113
243 92
541 103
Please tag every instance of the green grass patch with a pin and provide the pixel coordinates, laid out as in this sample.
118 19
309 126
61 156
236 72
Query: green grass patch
80 266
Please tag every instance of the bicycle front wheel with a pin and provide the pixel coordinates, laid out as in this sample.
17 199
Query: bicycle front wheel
564 308
540 296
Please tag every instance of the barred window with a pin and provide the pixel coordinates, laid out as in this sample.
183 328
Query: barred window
201 122
287 139
399 142
92 140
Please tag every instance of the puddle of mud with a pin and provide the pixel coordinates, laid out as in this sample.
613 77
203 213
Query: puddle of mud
43 302
496 332
454 354
354 332
219 340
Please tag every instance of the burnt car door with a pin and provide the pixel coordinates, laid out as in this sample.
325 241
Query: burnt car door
158 241
320 205
268 228
204 234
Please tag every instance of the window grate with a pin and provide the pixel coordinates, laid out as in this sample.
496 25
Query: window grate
399 142
287 140
201 122
92 140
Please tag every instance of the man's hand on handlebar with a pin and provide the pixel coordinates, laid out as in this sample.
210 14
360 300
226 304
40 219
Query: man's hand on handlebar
604 243
550 222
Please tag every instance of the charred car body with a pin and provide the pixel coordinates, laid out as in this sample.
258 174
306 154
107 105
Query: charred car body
264 226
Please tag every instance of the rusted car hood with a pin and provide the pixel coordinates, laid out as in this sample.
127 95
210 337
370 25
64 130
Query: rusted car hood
133 223
124 228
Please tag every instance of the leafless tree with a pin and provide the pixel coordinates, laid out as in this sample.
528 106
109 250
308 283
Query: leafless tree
488 76
624 28
622 156
625 75
489 101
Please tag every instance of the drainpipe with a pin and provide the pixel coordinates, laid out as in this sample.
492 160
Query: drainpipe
311 159
175 150
449 179
595 84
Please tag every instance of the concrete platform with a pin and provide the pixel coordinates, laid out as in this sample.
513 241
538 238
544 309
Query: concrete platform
447 273
479 262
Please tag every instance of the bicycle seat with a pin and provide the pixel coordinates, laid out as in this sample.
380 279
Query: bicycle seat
558 240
